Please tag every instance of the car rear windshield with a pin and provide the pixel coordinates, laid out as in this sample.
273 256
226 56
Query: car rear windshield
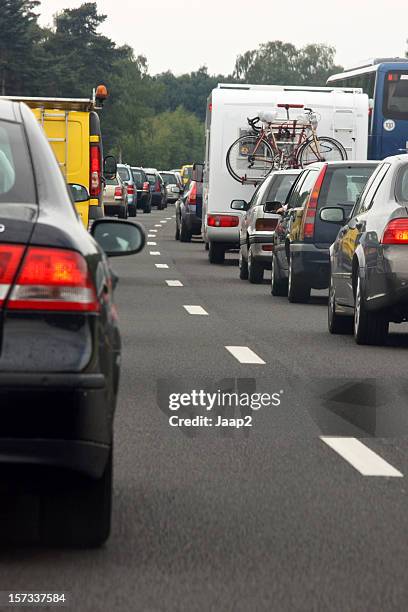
280 187
113 181
151 178
402 185
169 179
396 95
124 174
344 185
16 174
139 177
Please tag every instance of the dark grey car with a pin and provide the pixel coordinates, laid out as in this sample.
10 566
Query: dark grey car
369 258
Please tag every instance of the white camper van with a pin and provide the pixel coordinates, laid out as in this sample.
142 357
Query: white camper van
343 115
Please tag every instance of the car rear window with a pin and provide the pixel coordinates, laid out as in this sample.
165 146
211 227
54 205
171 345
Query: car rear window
169 179
16 174
139 177
124 174
402 185
344 185
113 181
396 95
280 187
151 178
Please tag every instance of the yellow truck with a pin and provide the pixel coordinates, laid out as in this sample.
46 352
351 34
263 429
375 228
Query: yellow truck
74 131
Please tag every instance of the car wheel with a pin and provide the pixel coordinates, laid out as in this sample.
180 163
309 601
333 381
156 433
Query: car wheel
177 235
185 235
216 253
369 327
132 211
255 269
243 266
207 246
279 287
123 212
76 510
298 290
337 324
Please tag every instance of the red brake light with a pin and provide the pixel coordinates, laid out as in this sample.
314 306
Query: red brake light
146 186
95 171
222 221
130 190
157 186
192 196
118 192
53 279
309 216
10 257
396 232
266 224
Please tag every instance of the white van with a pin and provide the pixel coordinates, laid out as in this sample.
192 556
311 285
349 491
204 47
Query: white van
343 115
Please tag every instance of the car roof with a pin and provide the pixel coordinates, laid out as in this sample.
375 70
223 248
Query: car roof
151 170
344 163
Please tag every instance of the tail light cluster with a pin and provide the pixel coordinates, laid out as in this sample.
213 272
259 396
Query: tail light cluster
146 186
396 232
130 189
118 192
266 224
45 279
309 215
222 221
192 196
157 186
95 171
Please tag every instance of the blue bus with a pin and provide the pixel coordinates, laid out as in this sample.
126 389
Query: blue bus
386 83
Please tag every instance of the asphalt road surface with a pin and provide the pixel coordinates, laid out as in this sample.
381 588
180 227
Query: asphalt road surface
278 516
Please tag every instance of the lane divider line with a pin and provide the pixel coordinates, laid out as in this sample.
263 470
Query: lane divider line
162 266
196 310
157 225
245 355
152 244
174 283
155 253
362 458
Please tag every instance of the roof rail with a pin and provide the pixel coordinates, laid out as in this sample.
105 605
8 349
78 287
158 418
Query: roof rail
375 61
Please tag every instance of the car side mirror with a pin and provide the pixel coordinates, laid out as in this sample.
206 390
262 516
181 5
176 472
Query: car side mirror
272 207
119 237
78 192
110 167
333 214
239 205
198 172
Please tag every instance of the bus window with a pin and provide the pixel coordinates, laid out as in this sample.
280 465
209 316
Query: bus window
396 95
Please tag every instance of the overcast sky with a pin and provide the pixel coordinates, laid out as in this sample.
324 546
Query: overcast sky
182 35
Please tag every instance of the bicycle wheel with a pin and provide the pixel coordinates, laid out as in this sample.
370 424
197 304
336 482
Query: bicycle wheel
328 149
247 161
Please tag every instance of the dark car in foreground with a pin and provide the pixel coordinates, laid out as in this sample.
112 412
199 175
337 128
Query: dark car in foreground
369 258
60 350
144 196
189 210
300 258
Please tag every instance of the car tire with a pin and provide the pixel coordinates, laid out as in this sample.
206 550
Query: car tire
298 290
216 253
185 234
123 212
132 211
255 269
279 287
337 324
177 234
207 246
77 511
369 327
243 266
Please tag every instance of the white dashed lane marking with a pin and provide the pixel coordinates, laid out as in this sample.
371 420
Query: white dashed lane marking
152 244
174 283
161 266
155 253
362 458
196 310
245 355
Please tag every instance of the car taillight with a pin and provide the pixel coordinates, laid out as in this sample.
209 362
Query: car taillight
157 186
10 258
309 215
130 190
53 279
146 186
396 232
222 221
266 224
192 196
95 171
267 247
118 192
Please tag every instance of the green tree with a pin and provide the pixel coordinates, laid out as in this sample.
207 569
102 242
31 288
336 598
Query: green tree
279 63
18 33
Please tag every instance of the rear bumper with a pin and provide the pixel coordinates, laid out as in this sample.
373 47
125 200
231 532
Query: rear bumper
386 284
113 209
312 263
258 241
193 223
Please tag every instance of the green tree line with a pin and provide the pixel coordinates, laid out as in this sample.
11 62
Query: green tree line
151 120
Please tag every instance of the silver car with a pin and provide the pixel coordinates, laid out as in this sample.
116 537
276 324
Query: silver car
126 175
257 225
172 185
115 198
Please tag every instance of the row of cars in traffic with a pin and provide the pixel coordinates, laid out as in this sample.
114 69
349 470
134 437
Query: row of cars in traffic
337 225
134 188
